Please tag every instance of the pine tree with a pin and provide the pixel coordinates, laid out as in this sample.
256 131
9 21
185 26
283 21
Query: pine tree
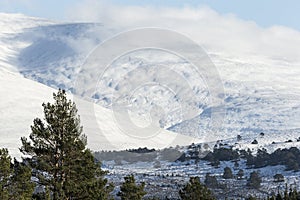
278 178
195 190
240 174
288 194
279 197
251 198
15 179
5 173
211 181
239 137
42 195
129 190
227 174
59 155
255 180
21 186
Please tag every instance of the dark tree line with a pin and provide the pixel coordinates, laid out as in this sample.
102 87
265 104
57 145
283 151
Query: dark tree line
289 194
139 155
290 158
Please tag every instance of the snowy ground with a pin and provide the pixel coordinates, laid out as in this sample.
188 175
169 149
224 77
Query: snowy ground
167 180
261 93
21 102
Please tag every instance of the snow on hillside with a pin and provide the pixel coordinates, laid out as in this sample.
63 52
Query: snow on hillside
21 102
261 93
10 26
259 97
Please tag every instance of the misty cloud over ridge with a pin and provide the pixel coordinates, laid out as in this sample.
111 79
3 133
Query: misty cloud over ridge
215 32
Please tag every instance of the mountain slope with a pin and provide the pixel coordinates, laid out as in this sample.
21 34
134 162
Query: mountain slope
21 102
261 93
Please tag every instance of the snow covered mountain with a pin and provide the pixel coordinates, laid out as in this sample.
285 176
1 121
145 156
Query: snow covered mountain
21 98
21 101
261 94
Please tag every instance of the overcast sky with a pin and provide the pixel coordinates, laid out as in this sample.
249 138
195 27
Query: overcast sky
268 28
264 13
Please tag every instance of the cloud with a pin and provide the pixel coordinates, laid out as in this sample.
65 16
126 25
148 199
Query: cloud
226 34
